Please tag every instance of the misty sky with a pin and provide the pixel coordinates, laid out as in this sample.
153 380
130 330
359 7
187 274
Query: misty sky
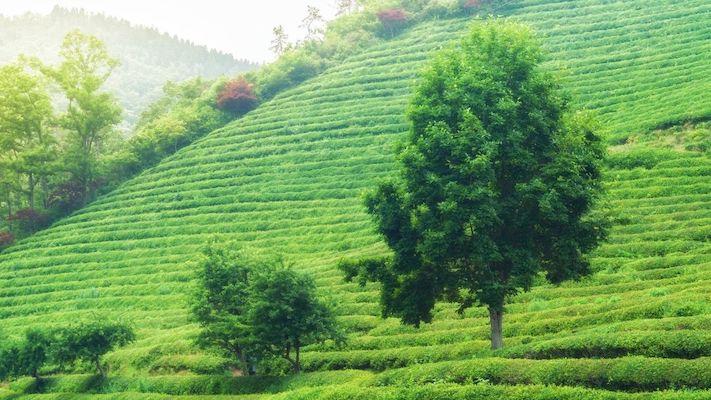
240 27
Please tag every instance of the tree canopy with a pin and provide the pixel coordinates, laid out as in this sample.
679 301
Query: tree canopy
285 314
27 149
497 182
89 341
220 303
91 113
253 309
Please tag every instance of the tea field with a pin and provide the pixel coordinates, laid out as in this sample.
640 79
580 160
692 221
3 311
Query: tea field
287 179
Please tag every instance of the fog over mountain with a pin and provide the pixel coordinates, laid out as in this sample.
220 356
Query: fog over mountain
148 58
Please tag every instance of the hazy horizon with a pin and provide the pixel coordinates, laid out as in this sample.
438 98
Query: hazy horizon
215 24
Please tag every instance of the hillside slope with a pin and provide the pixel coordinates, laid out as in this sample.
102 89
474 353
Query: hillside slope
148 58
287 178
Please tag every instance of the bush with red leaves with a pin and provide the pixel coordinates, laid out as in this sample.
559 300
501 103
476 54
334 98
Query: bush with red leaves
66 197
393 20
237 97
6 239
471 6
28 221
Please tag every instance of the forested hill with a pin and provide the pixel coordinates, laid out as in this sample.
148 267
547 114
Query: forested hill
148 57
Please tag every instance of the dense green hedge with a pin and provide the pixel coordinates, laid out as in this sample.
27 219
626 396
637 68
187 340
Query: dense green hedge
428 392
186 384
667 344
627 373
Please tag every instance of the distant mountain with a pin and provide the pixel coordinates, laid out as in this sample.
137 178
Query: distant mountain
148 58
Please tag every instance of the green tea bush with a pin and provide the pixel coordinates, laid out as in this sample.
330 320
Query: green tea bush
627 373
668 344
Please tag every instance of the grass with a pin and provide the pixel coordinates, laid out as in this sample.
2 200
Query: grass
287 179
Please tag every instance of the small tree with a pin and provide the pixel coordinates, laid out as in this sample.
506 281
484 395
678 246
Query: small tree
344 7
27 356
285 314
9 356
280 42
237 97
497 181
220 304
313 23
89 341
392 20
249 308
34 352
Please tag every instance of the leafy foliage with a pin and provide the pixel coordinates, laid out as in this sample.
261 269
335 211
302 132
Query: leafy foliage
287 179
91 113
496 184
237 96
89 341
220 304
251 308
25 357
27 149
285 314
27 220
6 239
393 20
148 57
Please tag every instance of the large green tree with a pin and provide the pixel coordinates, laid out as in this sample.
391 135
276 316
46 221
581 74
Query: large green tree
496 185
27 147
91 113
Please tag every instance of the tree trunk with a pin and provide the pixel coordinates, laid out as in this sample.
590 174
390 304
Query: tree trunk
45 195
496 319
297 364
9 203
31 190
99 369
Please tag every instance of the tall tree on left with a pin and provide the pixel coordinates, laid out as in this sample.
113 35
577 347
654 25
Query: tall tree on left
27 146
91 113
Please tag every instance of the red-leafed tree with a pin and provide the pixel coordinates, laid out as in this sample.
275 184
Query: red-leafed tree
28 221
66 197
6 239
237 97
392 20
471 5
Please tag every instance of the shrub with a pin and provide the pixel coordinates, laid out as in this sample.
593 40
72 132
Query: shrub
90 341
625 373
25 357
640 158
237 96
672 344
470 4
28 221
291 69
392 20
6 239
66 197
